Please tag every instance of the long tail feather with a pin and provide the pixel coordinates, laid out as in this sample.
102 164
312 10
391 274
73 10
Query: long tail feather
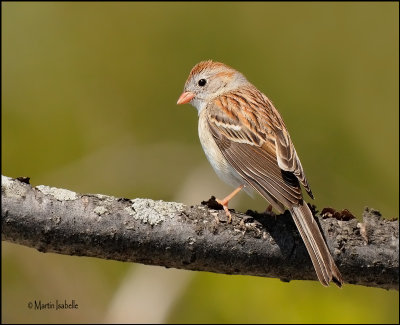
321 258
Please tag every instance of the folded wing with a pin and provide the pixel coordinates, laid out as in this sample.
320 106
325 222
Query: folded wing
261 152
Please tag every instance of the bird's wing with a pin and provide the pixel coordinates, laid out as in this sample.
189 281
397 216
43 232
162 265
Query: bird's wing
286 154
253 139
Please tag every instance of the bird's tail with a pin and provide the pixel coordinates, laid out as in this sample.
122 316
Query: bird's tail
321 258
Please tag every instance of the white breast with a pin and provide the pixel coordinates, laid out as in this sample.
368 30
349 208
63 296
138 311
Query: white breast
214 155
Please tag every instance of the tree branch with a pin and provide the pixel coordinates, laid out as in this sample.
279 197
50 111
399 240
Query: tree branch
189 237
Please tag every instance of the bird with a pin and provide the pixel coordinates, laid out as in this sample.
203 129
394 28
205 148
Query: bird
249 147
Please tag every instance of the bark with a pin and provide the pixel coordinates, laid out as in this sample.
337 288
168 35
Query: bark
191 237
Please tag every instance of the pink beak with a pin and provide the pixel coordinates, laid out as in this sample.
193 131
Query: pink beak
186 97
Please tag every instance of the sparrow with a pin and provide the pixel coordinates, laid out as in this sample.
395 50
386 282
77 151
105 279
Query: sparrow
249 147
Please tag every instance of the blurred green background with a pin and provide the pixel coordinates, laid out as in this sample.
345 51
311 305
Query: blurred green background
88 104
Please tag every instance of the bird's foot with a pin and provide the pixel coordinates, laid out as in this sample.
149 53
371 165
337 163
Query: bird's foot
224 204
269 211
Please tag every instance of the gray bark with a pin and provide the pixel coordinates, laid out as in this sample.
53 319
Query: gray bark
190 237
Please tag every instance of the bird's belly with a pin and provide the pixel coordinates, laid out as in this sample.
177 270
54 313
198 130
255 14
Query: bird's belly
224 171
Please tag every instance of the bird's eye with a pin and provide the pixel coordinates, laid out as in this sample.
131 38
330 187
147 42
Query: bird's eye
202 82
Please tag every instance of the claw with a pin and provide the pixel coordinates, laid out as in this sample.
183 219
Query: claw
269 211
225 206
226 200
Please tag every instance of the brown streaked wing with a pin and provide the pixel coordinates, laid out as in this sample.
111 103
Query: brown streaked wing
251 153
288 159
286 153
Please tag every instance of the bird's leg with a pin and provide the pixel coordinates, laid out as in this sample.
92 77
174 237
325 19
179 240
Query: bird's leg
269 211
226 200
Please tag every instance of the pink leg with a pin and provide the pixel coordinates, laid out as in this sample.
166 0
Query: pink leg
226 200
269 211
